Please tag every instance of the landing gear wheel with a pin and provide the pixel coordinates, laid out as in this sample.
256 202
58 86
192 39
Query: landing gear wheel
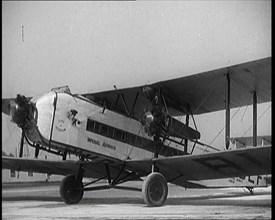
154 189
71 190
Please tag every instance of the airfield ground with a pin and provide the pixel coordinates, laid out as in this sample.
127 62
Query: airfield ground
42 201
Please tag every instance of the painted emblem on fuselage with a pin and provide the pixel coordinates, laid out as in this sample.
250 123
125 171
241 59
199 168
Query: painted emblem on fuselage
60 126
72 116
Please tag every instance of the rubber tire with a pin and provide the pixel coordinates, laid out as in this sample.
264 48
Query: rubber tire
154 190
71 190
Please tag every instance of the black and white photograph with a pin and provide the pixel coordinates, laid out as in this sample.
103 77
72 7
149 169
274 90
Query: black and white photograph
136 110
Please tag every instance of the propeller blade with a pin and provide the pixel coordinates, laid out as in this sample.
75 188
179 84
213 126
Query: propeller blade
21 144
36 153
6 105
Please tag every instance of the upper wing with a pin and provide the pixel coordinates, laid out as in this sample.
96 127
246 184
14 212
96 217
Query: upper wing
233 163
92 169
203 92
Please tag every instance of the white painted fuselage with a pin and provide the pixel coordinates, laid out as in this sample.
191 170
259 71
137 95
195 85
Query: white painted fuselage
64 122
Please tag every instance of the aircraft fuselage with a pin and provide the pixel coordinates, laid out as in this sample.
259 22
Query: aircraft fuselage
73 123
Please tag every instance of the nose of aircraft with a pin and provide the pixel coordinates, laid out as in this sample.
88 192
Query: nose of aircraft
20 109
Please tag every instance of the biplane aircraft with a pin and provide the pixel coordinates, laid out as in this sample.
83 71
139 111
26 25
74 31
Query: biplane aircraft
134 134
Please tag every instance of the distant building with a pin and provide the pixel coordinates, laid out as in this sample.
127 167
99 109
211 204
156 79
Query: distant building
12 176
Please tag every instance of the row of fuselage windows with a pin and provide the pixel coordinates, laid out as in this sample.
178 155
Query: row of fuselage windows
116 134
128 138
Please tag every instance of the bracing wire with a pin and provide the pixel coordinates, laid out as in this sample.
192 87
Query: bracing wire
205 98
233 117
245 112
246 107
224 126
257 120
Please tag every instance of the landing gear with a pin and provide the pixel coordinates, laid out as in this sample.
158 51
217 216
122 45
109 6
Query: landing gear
71 189
154 189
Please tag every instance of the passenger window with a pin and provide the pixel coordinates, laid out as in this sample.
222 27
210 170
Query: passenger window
90 125
118 134
123 137
111 132
145 142
131 139
138 141
104 129
97 127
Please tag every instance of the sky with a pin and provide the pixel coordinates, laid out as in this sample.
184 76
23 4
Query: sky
91 46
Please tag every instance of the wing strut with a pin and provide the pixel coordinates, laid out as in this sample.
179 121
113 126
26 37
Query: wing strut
187 124
254 118
227 114
227 111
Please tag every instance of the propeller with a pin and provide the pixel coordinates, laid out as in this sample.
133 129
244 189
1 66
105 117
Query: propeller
21 111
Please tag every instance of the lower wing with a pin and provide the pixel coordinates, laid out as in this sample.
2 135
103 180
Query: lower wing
92 169
181 170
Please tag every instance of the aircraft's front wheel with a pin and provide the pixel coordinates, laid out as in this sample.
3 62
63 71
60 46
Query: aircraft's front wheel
154 189
71 189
